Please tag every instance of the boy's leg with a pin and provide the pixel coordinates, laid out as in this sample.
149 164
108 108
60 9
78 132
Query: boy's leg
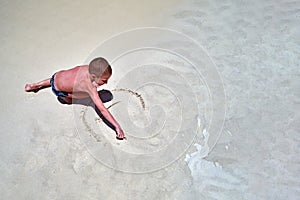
35 87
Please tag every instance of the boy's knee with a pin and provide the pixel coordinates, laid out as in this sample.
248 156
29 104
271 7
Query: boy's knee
64 100
105 95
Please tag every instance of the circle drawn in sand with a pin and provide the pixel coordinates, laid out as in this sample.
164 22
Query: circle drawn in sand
172 84
133 93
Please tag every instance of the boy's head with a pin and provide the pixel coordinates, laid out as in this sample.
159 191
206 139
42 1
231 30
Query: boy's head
100 70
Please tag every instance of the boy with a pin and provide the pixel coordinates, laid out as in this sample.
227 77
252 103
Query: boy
81 82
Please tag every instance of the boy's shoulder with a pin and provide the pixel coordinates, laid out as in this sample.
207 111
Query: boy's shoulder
78 69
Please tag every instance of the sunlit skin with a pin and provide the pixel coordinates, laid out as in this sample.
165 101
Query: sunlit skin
79 83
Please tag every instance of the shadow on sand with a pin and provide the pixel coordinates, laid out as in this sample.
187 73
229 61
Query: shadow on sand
105 96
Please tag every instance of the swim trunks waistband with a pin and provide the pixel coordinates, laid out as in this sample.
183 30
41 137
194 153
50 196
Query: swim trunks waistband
55 91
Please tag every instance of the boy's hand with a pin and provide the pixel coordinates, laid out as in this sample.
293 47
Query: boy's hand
120 134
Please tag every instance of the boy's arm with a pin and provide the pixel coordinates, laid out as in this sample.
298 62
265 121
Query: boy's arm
105 112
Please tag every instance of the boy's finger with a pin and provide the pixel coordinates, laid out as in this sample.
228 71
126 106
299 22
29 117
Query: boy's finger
121 138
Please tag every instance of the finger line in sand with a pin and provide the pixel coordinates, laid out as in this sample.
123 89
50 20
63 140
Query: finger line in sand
134 94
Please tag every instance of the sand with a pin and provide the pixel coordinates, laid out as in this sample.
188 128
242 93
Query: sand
207 93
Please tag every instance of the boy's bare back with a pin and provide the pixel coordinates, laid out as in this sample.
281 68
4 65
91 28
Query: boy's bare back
76 81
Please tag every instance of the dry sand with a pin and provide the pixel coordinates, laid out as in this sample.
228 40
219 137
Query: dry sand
250 54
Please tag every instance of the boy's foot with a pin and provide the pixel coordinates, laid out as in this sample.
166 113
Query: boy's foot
31 88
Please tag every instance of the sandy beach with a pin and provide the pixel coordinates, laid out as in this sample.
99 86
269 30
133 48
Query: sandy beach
207 93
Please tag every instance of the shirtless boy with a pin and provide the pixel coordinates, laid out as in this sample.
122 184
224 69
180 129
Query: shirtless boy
81 82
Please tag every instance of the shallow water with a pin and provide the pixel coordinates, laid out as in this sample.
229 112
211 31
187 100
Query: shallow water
255 47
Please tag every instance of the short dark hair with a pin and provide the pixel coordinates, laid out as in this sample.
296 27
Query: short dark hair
99 66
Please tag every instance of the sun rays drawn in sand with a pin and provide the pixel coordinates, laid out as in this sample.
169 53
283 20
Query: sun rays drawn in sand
113 104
